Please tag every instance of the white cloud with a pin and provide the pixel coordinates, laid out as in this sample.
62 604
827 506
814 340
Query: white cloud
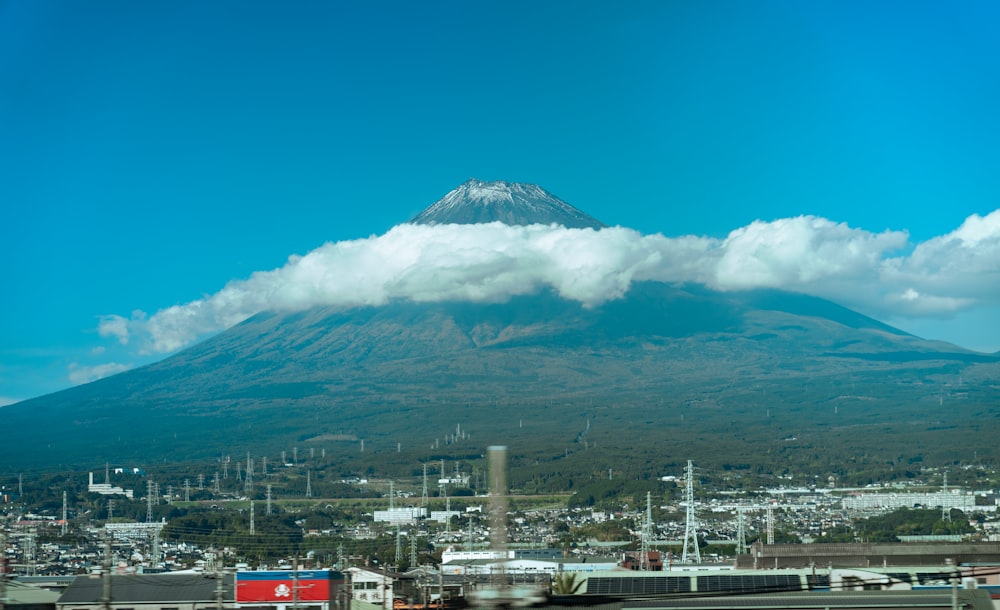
492 262
114 326
85 374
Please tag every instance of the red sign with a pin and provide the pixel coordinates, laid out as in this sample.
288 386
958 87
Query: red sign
282 587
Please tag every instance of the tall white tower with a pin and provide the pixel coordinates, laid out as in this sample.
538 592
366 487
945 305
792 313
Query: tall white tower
691 550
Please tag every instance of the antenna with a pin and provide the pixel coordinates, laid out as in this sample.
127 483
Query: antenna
691 526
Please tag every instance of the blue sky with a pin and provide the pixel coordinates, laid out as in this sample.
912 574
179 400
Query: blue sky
153 152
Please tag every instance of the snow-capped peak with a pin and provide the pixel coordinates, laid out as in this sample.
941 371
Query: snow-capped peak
477 201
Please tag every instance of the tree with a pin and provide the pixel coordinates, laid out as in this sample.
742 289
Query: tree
565 583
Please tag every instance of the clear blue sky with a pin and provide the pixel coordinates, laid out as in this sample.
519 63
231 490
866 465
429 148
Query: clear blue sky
150 152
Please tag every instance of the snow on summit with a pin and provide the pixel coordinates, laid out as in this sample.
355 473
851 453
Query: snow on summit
512 203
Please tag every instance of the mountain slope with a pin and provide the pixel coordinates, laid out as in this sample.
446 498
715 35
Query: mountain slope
405 372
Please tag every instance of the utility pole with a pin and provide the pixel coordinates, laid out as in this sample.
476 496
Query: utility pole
219 582
106 573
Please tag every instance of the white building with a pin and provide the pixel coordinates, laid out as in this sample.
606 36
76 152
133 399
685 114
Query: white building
400 516
372 585
890 501
106 489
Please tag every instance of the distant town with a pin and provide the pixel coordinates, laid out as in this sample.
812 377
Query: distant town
436 530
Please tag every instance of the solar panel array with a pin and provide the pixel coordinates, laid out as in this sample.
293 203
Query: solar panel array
758 583
635 585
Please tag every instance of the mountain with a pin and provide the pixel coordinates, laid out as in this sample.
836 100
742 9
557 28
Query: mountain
753 381
476 201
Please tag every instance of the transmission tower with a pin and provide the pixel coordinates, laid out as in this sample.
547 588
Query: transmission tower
423 497
691 549
248 483
770 524
268 499
399 546
252 531
741 533
646 536
309 487
201 482
392 496
111 508
62 531
187 490
413 552
149 501
155 550
945 510
215 486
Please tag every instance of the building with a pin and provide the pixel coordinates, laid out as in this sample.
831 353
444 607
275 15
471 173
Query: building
376 586
107 489
867 554
400 516
22 596
173 591
890 501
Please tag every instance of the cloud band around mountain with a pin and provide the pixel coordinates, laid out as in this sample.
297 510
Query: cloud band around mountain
880 274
